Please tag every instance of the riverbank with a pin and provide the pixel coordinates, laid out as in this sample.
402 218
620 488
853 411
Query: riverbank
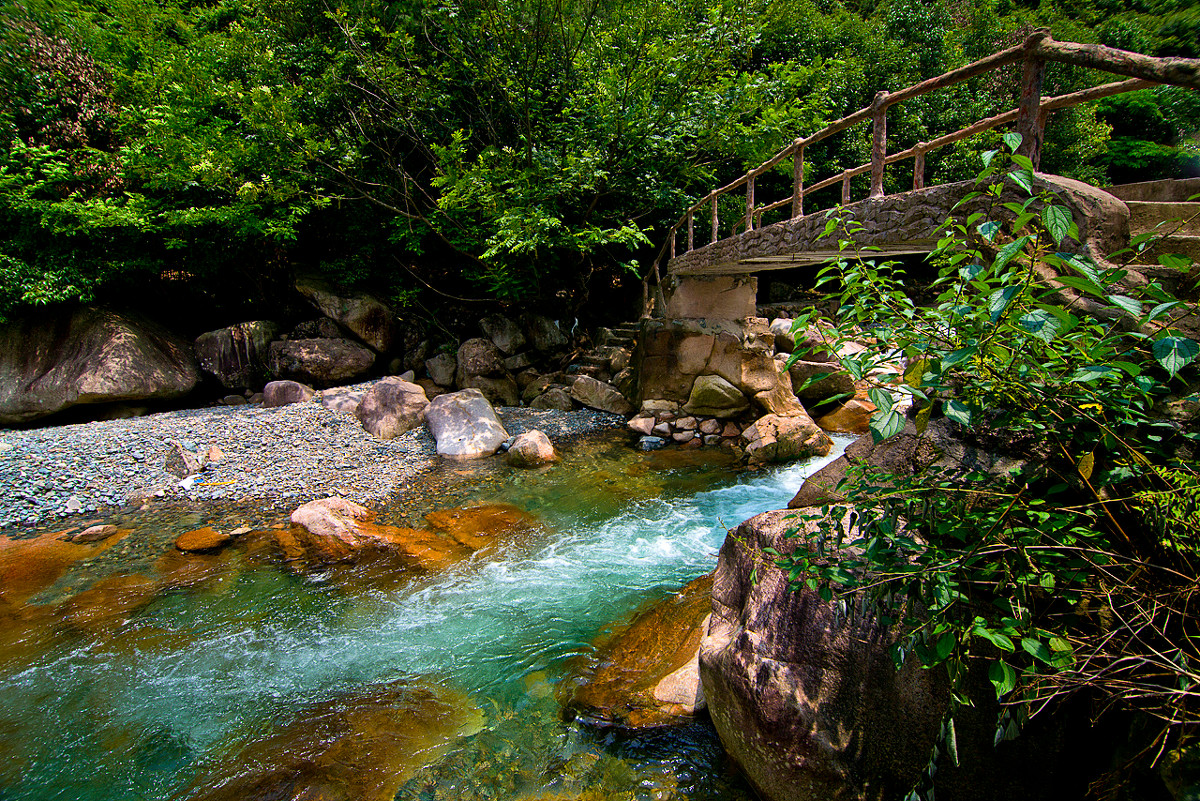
276 458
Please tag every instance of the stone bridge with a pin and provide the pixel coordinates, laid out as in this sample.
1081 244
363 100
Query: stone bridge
717 281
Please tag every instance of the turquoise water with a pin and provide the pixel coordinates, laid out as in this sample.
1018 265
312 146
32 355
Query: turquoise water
150 700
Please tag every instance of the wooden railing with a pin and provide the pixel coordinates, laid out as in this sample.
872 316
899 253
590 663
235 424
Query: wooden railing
1030 118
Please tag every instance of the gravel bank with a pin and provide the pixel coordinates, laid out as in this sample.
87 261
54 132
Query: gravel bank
278 457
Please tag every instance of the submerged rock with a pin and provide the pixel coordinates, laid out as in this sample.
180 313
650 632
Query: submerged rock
647 675
482 527
335 529
202 539
359 746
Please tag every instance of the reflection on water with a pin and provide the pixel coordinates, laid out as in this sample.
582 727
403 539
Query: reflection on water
129 670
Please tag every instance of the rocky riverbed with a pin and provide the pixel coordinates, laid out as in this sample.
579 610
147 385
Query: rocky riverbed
274 458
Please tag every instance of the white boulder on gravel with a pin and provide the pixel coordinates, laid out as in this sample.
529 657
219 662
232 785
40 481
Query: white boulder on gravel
464 425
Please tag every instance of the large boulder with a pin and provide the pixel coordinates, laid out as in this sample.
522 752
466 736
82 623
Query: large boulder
54 361
366 316
903 455
818 381
647 674
478 357
391 407
442 369
284 393
464 425
803 692
775 439
506 334
713 396
499 390
598 395
545 335
319 361
531 449
236 354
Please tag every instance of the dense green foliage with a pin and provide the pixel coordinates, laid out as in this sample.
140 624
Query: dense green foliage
512 149
1074 570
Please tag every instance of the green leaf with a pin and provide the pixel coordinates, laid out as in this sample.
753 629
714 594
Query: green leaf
997 639
1090 373
1174 261
1000 299
1023 179
1012 140
886 424
1003 677
945 645
1131 305
1057 220
1082 284
881 398
1008 252
956 356
957 411
1174 353
1036 648
1040 323
988 156
989 229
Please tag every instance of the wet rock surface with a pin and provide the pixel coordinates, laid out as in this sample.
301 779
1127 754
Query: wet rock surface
646 675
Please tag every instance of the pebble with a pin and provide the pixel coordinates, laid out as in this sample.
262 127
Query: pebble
275 457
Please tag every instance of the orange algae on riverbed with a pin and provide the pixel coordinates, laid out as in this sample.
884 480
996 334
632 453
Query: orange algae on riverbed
361 746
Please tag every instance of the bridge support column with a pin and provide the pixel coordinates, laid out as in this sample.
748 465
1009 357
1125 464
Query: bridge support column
714 297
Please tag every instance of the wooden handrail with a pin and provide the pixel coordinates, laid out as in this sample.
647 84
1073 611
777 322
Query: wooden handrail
1030 116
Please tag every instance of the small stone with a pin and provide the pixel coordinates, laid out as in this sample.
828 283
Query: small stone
642 424
710 426
215 455
651 443
531 449
662 430
74 505
181 461
94 534
234 400
683 436
239 531
686 424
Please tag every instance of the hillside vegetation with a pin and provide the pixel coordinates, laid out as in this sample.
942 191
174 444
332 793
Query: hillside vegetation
511 150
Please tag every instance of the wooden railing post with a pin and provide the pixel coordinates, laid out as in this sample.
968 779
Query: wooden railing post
798 183
691 233
919 167
1030 121
879 143
674 231
715 224
846 188
750 203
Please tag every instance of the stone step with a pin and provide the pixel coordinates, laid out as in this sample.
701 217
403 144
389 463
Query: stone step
1173 190
1175 218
